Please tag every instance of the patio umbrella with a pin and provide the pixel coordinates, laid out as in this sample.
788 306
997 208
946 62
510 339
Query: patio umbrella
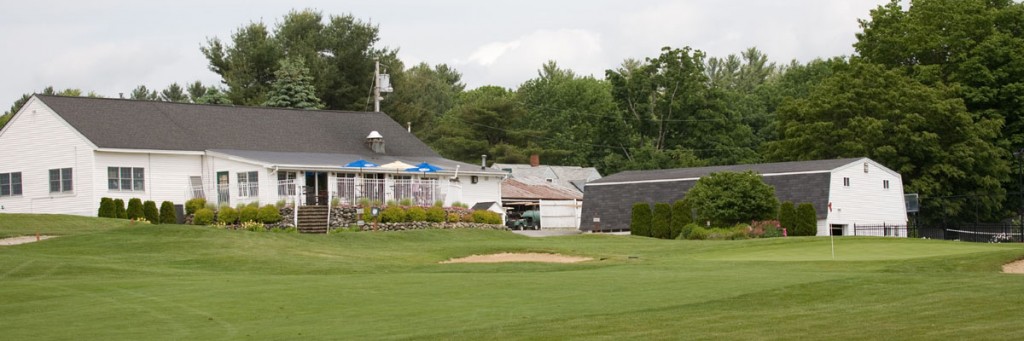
424 168
361 164
396 165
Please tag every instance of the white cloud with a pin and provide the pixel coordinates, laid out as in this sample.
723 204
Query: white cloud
508 63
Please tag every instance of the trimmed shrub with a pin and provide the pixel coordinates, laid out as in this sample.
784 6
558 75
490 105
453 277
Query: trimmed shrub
150 212
439 203
268 214
167 215
435 214
254 204
106 208
453 216
119 211
681 215
661 222
417 213
687 230
247 213
227 215
806 220
486 217
392 214
787 216
405 202
640 222
193 205
203 216
135 209
466 216
698 233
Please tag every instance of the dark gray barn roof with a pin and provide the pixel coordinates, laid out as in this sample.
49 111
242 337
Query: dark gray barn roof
132 124
691 173
611 198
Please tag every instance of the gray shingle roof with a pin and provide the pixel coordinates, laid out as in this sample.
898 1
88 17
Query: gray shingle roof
761 168
132 124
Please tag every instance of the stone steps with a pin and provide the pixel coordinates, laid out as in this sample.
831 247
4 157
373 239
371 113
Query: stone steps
313 219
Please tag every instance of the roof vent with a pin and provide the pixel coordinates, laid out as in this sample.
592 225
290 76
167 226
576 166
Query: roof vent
375 141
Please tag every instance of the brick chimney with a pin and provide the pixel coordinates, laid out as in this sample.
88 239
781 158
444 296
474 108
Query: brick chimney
534 160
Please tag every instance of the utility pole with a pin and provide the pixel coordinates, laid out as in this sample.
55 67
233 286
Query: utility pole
376 85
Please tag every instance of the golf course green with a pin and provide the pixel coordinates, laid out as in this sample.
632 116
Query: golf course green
108 279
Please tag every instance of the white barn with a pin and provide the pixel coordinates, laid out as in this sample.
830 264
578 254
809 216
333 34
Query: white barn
844 192
62 154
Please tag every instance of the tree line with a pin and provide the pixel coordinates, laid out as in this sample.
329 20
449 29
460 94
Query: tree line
934 91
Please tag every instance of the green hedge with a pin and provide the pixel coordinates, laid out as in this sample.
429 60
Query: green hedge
167 214
203 216
417 213
193 205
150 212
106 208
806 220
268 214
392 214
135 210
119 210
227 215
248 213
640 222
661 222
681 216
787 216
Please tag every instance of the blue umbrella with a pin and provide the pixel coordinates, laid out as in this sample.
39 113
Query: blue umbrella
425 168
361 164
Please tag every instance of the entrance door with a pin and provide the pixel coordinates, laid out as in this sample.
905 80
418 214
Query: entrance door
223 189
316 188
837 230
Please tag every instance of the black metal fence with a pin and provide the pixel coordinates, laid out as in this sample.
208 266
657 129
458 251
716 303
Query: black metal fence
973 232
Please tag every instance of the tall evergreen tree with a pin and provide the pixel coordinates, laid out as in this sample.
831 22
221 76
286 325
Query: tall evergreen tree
292 87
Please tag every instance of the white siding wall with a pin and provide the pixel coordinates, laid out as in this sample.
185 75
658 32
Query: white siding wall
487 188
35 141
865 201
560 214
167 175
267 185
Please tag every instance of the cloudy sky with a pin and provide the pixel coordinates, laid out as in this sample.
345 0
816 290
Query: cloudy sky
111 46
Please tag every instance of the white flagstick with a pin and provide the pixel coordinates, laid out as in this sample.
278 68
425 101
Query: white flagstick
832 240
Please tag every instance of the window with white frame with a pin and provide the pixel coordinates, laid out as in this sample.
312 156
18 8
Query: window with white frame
286 183
846 182
126 179
885 184
248 184
61 180
10 184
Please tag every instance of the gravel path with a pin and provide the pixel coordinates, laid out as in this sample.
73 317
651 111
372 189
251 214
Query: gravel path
22 240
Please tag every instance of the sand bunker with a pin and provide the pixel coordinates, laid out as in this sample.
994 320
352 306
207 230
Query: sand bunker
1014 268
22 240
518 257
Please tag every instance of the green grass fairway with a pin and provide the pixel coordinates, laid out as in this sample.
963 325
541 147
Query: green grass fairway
107 279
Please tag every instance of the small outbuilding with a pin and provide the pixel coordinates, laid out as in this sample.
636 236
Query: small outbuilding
844 192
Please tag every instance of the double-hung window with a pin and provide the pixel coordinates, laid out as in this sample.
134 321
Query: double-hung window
248 184
10 184
285 183
61 180
126 179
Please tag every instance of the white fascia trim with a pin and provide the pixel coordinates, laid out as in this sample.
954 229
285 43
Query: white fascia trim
237 158
149 151
697 178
